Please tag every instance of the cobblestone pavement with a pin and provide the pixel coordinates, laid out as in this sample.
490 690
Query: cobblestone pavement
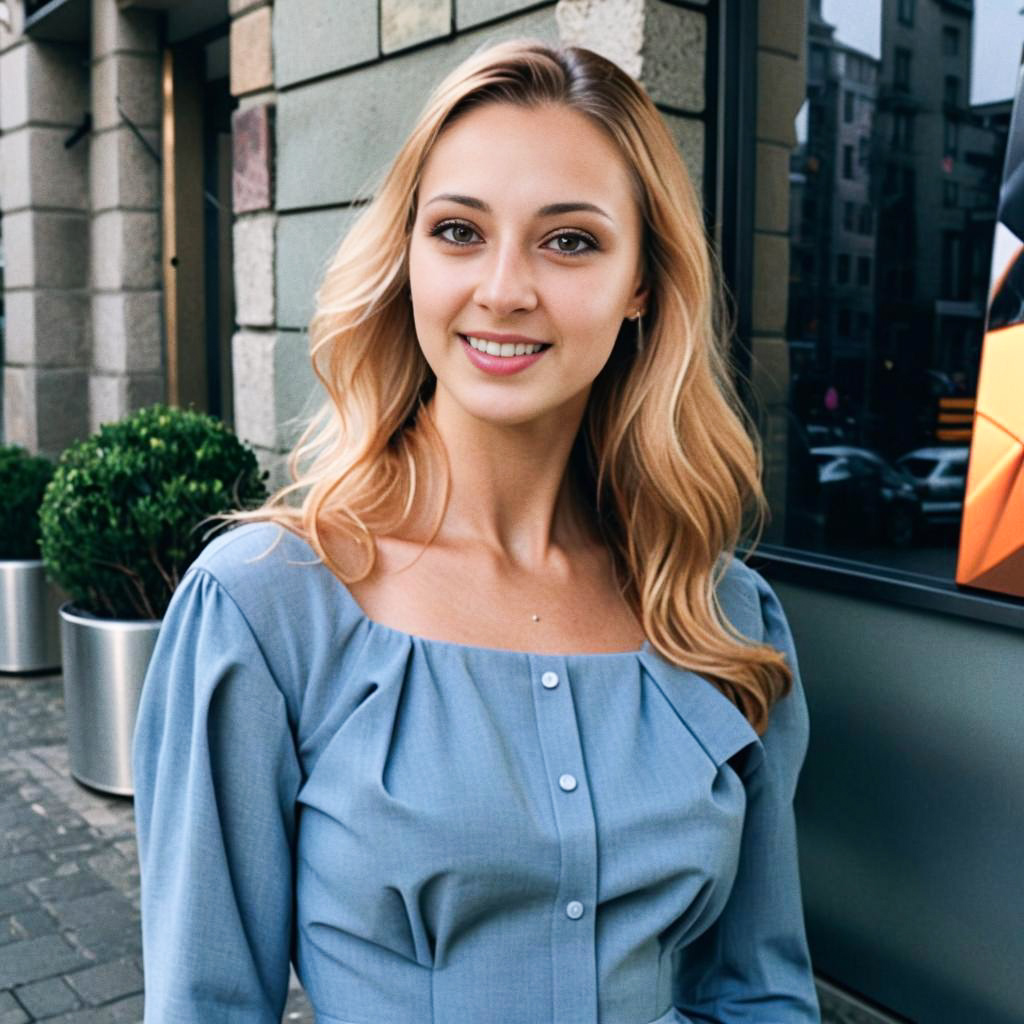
70 945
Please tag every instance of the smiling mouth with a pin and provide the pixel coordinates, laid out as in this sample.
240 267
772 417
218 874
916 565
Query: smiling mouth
504 349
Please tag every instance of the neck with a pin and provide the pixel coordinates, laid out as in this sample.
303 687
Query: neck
510 489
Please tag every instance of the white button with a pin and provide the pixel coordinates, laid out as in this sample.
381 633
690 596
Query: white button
574 910
549 679
567 782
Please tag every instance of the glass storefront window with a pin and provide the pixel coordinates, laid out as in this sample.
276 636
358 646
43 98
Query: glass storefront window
894 184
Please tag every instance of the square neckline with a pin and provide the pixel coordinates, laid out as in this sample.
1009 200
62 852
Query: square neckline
415 638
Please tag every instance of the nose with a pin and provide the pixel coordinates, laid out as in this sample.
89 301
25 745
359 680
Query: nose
506 282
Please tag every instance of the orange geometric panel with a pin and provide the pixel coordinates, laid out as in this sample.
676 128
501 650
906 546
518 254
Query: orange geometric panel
992 532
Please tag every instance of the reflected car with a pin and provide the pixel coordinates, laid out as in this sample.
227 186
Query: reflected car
864 497
940 476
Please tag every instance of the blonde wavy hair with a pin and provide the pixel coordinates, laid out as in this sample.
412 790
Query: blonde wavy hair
663 462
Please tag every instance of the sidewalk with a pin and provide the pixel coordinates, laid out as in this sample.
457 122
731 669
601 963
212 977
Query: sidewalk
70 945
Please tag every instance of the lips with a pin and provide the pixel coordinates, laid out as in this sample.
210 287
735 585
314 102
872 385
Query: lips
480 352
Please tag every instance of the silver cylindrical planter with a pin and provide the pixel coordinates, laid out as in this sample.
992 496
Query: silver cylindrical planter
105 661
29 634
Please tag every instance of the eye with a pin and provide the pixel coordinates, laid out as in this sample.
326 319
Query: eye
572 243
455 232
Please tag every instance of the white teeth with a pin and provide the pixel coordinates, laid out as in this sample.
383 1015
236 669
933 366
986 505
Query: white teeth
494 348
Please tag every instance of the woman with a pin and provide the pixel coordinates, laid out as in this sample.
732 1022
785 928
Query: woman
366 748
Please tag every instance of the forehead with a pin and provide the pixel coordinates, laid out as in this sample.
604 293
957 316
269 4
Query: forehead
506 153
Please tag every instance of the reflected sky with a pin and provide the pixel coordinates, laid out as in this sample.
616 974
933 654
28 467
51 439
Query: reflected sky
998 35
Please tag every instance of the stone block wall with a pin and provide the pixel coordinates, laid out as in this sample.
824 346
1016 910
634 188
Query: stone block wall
127 367
45 203
326 94
81 226
781 78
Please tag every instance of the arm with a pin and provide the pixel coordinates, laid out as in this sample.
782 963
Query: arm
216 778
752 965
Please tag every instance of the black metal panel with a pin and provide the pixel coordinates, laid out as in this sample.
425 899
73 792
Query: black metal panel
891 586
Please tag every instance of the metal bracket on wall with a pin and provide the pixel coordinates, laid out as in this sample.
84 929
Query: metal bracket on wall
136 131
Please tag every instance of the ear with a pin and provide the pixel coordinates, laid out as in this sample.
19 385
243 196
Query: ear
640 296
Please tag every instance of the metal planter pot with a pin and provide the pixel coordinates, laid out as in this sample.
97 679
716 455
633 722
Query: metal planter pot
105 662
29 636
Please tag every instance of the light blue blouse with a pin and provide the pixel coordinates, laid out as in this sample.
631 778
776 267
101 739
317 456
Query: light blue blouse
443 834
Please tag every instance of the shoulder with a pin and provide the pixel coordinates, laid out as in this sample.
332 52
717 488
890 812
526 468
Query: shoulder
252 553
295 607
747 601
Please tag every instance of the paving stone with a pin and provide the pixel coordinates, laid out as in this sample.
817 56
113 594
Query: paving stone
11 1011
14 898
64 888
46 998
123 1012
106 982
22 867
30 924
34 959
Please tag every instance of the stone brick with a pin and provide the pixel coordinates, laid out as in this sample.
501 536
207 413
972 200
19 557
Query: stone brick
675 45
772 202
37 170
34 959
254 270
133 80
111 398
117 28
31 395
14 32
782 91
781 25
305 244
251 61
474 12
106 982
125 250
771 283
122 172
48 328
408 22
275 391
23 868
47 998
46 249
10 1011
689 135
46 83
252 179
612 28
316 37
127 331
372 110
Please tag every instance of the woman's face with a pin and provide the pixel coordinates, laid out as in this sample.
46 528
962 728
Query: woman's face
527 234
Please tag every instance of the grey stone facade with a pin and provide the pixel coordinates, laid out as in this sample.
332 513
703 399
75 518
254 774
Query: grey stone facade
324 94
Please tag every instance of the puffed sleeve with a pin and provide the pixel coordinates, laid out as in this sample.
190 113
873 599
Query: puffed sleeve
216 776
752 965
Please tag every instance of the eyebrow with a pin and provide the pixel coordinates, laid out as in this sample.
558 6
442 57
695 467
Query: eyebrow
551 210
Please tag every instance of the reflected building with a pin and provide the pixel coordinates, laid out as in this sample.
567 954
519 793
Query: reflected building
937 180
893 205
832 228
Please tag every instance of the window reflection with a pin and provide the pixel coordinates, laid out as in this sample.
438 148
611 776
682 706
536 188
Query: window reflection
894 184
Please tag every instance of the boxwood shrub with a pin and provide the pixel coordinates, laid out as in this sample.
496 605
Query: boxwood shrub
23 479
121 518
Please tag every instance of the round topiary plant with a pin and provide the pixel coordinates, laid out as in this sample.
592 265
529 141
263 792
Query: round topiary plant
121 517
23 479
